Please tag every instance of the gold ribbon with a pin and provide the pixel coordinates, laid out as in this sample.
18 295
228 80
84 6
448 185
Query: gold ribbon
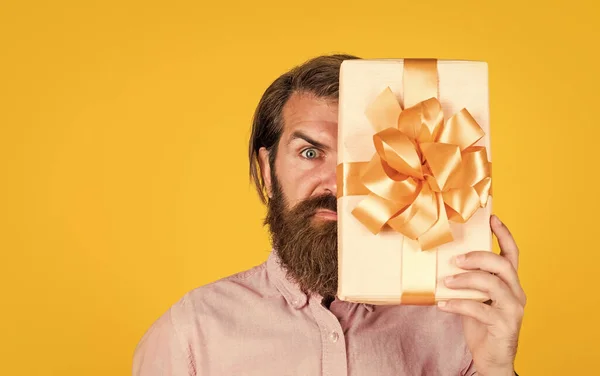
425 172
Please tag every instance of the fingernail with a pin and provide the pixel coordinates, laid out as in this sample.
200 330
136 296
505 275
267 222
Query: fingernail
448 280
460 259
496 220
442 304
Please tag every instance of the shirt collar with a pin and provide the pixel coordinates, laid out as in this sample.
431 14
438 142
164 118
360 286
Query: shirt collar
288 288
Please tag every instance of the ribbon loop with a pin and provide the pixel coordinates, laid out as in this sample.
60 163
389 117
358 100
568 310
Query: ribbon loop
386 182
383 112
444 161
461 130
422 122
399 152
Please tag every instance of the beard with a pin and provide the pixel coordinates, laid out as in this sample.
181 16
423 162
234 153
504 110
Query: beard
306 246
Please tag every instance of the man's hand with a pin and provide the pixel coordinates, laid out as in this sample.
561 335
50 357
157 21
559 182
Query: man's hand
491 330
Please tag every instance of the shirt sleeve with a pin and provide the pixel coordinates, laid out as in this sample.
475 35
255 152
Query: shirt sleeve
161 351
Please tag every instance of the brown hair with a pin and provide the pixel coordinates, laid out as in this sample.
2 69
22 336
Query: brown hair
319 76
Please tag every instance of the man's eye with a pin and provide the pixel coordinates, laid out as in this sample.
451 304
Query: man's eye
310 153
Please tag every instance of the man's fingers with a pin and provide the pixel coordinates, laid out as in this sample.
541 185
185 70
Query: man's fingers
483 313
485 282
493 263
508 246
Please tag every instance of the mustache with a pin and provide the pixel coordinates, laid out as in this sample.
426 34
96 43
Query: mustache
309 206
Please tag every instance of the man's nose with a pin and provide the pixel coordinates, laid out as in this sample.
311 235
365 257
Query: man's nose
329 179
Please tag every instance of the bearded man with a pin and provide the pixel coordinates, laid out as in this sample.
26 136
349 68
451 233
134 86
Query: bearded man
283 318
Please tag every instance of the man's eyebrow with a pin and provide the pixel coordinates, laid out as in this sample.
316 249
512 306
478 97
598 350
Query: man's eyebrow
310 140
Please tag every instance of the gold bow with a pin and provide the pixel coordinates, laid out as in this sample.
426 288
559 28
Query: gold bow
424 173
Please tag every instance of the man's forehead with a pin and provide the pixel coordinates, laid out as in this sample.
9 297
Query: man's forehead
304 110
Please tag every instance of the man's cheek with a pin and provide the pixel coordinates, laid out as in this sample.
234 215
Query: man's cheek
307 186
296 192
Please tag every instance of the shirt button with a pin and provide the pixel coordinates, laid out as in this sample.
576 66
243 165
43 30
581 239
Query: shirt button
334 337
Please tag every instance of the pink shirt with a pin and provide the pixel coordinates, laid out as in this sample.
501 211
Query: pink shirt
259 323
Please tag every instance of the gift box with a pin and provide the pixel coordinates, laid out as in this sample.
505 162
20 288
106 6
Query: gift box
414 177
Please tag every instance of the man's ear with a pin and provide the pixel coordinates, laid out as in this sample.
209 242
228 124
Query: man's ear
265 169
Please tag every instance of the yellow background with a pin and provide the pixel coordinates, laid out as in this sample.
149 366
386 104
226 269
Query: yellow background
123 137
